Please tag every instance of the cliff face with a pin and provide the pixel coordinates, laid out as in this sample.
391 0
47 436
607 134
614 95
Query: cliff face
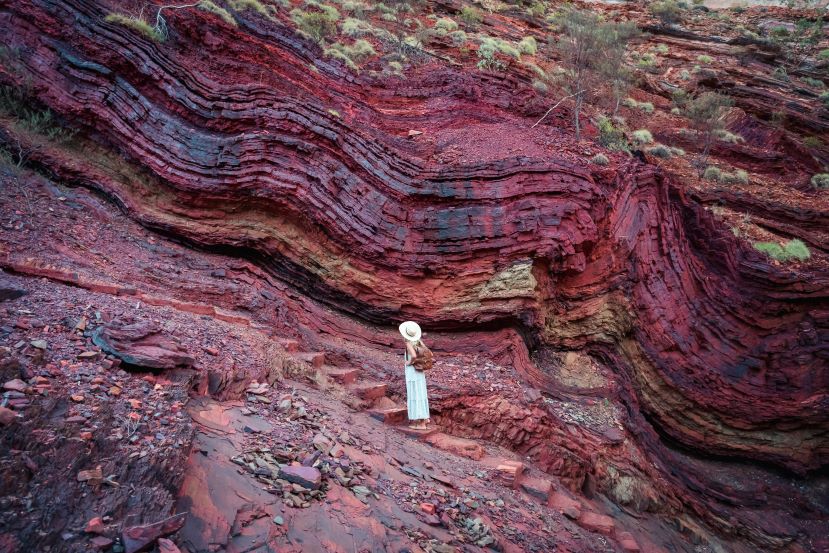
494 235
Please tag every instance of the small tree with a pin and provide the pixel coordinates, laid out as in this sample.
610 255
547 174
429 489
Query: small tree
613 67
707 113
667 11
800 42
588 47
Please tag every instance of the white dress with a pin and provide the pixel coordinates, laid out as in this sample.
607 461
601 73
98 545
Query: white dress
417 399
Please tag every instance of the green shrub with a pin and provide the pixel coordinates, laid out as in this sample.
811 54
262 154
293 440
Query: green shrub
646 61
611 136
600 159
317 25
723 177
353 27
820 181
667 11
704 59
535 69
490 44
540 86
780 73
684 75
642 136
813 142
446 25
223 14
458 38
824 97
334 113
677 151
797 249
351 54
471 15
135 24
647 107
487 59
737 177
528 45
16 104
726 136
712 173
537 9
255 5
660 150
793 249
816 83
823 54
661 49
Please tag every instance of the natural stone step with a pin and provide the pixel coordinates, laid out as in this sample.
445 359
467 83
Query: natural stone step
314 358
393 416
571 508
370 390
509 472
538 488
342 376
288 344
418 434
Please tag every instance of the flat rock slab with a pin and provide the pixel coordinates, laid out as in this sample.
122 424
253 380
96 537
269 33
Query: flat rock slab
140 538
307 477
458 446
141 343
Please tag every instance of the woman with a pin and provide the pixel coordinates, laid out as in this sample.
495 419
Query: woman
417 399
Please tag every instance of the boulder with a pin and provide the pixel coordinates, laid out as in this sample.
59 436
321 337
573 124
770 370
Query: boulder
141 343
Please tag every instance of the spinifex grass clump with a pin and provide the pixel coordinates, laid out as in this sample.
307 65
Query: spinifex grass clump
793 249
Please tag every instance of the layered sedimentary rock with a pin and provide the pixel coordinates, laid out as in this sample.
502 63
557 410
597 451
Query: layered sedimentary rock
230 141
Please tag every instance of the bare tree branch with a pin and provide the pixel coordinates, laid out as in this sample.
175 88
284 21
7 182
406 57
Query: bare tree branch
555 106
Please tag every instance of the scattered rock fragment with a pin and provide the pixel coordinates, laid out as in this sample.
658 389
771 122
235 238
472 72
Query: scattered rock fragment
597 523
15 385
101 542
307 477
628 543
93 476
137 538
95 526
428 508
166 546
7 416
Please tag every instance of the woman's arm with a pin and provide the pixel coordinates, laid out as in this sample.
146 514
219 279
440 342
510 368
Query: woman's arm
411 351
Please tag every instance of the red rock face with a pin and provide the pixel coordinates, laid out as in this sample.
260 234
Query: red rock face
480 225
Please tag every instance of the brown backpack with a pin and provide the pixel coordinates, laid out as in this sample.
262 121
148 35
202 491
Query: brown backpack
424 359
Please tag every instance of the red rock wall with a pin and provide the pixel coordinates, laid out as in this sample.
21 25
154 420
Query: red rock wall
229 141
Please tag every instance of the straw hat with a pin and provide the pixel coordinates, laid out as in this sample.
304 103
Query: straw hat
410 331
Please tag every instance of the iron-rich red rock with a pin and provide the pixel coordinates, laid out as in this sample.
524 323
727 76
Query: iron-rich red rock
166 546
7 416
307 477
141 344
139 538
